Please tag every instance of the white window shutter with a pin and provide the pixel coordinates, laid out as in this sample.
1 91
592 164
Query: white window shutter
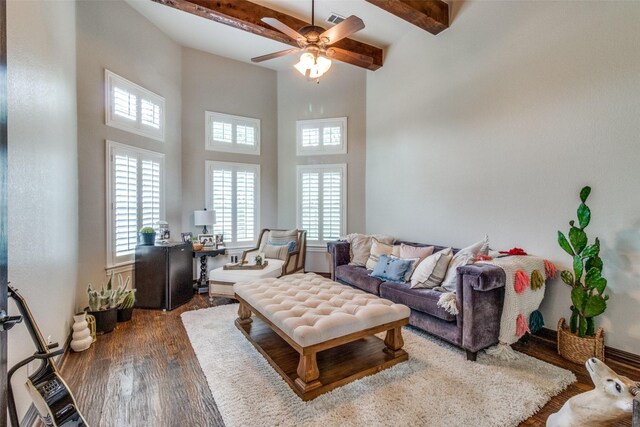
233 134
150 174
331 205
134 197
310 204
233 191
132 108
222 190
322 201
125 203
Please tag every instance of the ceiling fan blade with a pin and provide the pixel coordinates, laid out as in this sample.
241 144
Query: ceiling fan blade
275 55
284 28
349 57
343 29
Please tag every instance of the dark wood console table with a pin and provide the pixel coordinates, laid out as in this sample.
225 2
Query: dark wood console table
202 284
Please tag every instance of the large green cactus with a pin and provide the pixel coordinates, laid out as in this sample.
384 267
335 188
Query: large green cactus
587 296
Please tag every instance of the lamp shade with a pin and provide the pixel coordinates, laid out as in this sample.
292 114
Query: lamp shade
313 65
205 217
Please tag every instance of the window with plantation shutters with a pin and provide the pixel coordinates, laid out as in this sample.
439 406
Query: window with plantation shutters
321 202
134 197
133 108
321 136
232 134
233 191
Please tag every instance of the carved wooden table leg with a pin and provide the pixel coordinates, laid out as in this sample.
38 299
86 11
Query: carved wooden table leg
308 372
394 342
244 314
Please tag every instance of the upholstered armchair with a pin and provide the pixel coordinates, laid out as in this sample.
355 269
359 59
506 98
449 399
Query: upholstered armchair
294 261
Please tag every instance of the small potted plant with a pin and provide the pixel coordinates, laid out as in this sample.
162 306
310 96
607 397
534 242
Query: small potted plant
125 303
147 236
125 309
103 305
581 340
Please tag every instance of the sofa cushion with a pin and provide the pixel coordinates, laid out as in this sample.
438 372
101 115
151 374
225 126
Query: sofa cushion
359 277
424 300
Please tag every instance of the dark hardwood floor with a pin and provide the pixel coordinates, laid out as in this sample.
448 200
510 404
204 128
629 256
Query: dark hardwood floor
146 373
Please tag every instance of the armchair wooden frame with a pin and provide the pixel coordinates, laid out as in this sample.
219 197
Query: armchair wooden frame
295 260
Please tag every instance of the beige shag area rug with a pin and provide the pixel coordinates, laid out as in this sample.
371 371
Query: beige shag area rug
437 386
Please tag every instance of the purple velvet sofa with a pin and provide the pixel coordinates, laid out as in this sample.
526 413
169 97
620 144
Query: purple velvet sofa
480 293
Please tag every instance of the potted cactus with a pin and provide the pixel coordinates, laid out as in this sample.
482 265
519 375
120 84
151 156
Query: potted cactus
125 307
103 305
147 236
581 340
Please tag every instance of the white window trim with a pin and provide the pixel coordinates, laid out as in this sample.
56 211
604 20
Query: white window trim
321 149
110 79
234 147
111 147
322 168
209 166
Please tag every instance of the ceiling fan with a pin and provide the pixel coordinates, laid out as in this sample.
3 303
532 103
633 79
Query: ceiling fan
315 44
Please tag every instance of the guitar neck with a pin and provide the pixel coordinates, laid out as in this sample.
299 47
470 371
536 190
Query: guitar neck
30 322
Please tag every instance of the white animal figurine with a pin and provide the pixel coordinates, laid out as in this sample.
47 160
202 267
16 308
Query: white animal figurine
610 401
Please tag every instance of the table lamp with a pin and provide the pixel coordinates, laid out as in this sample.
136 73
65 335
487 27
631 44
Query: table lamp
204 218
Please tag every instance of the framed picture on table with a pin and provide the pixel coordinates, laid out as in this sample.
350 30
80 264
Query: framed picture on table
186 237
208 240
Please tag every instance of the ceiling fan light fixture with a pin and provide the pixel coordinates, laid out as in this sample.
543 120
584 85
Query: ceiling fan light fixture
313 66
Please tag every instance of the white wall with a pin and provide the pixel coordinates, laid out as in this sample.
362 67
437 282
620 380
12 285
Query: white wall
112 35
493 127
43 176
340 93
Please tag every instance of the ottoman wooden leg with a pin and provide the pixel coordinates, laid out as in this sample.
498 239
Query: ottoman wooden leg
244 314
394 342
308 372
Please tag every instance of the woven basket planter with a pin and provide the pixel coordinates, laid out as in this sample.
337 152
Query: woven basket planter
578 349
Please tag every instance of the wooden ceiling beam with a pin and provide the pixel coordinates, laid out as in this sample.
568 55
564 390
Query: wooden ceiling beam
246 16
430 15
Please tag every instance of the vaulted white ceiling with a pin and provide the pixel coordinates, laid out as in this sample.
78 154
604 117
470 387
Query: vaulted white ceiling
382 29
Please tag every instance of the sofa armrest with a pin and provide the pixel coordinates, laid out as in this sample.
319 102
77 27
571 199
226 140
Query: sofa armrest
340 255
480 290
485 277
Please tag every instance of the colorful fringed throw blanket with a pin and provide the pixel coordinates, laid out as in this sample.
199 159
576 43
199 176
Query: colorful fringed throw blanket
524 291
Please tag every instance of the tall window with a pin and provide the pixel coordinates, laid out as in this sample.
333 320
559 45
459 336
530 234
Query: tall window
233 134
135 197
322 201
321 136
133 108
233 191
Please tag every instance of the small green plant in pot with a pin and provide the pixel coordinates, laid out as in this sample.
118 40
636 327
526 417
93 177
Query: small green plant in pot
147 236
125 306
587 290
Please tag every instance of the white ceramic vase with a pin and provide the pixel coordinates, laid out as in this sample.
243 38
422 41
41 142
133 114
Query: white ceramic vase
81 338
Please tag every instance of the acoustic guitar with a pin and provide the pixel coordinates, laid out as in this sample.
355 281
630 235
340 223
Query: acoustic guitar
51 395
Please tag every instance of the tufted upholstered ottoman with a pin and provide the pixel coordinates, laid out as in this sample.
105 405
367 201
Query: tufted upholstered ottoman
319 334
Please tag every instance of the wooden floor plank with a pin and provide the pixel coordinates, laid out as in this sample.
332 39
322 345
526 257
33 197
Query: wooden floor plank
146 373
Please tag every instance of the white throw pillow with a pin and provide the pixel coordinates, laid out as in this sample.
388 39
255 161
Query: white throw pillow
464 256
377 249
430 272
